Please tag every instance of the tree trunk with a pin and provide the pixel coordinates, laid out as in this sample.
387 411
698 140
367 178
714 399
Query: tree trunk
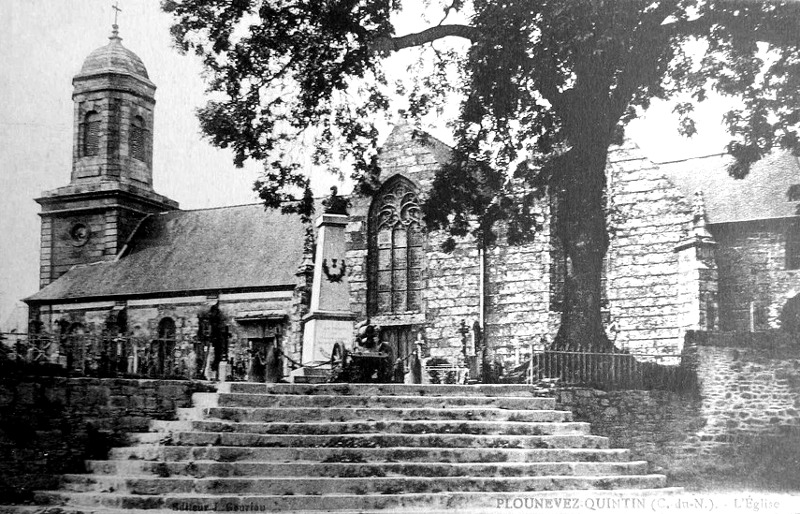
584 237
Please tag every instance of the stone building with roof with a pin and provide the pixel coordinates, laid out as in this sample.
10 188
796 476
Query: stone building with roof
118 258
691 249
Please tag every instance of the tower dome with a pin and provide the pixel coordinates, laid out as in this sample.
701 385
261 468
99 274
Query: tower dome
113 58
115 101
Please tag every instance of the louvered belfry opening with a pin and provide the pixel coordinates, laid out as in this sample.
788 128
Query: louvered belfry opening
91 134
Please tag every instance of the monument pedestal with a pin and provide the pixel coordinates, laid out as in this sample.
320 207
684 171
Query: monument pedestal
329 320
321 331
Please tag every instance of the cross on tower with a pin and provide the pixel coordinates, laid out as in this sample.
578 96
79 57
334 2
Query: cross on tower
117 10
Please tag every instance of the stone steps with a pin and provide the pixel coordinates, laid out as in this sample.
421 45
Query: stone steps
330 400
492 390
626 500
307 447
373 440
210 469
352 485
298 414
388 427
395 454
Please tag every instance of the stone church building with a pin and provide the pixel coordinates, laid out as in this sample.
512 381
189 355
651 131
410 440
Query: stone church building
691 249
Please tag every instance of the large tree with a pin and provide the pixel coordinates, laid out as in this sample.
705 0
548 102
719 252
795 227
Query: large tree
546 86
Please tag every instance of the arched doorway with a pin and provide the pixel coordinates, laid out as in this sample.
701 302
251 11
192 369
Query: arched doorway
162 350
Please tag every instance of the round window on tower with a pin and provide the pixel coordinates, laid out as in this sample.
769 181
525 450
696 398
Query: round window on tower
79 233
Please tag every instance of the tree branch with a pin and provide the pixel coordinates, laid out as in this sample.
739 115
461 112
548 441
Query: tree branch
387 45
776 30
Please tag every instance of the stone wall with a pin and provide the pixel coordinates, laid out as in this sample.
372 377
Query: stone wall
748 385
657 426
754 283
451 280
144 316
517 281
518 297
49 425
63 254
749 388
648 218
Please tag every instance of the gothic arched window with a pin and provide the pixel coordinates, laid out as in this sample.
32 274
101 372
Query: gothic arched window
137 138
91 134
395 249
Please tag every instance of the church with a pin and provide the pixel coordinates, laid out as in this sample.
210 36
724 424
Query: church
691 249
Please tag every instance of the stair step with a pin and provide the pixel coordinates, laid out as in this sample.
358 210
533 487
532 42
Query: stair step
210 469
357 485
327 401
390 427
371 455
295 414
374 440
359 447
491 390
627 500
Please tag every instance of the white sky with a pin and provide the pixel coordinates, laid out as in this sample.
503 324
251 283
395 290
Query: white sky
42 46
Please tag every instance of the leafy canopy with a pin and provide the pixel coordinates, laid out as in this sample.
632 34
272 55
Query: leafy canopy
545 87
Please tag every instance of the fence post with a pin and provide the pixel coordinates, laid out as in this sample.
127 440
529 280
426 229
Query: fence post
531 365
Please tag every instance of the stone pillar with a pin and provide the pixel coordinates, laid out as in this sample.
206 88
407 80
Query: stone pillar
330 320
301 301
698 282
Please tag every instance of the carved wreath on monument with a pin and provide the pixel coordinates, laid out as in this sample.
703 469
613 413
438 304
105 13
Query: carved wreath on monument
335 272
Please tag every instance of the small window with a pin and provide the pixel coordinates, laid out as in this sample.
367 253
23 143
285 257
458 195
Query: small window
793 247
136 139
166 329
91 134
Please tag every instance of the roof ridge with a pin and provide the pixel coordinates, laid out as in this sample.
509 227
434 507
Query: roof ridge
219 207
87 264
213 208
693 158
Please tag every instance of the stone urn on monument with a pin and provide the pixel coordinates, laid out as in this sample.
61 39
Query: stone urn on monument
330 320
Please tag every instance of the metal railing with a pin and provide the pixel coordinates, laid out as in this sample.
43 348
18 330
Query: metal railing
611 370
105 356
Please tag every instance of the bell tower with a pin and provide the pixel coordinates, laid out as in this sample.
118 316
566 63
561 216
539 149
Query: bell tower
111 184
114 102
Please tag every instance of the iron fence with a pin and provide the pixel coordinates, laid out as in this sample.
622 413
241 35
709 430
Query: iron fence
611 370
189 358
105 356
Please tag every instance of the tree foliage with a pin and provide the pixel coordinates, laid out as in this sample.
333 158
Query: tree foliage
546 87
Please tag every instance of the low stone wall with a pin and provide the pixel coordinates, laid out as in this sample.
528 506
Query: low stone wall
49 425
657 426
749 385
748 392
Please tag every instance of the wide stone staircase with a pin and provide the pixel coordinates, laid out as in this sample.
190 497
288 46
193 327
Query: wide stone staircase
287 447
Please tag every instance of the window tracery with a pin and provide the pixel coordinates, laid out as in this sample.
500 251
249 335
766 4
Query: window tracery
396 246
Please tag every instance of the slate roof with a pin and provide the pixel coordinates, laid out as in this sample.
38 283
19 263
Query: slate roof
760 195
201 250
